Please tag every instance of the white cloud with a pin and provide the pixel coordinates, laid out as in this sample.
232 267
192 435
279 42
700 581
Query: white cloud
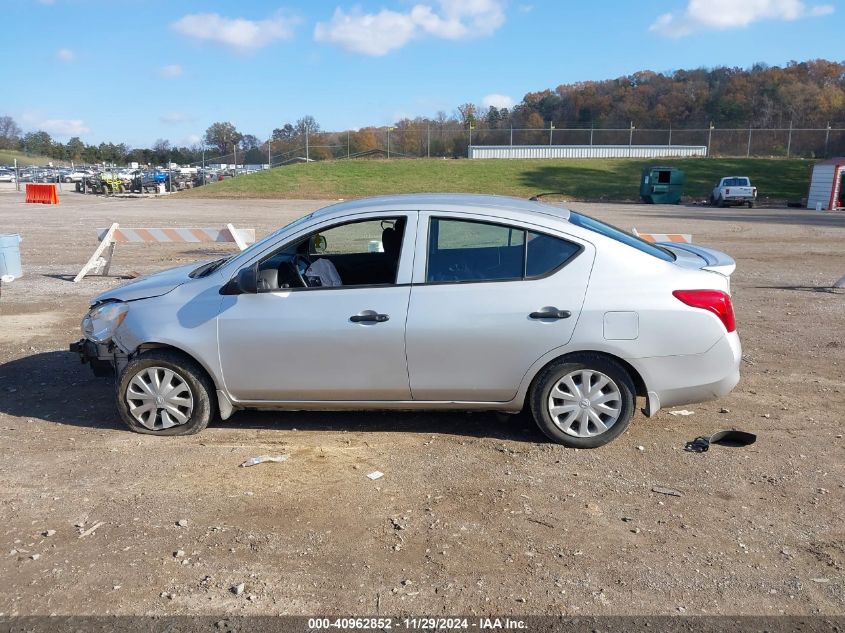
64 127
65 55
729 14
191 139
170 70
497 101
379 33
239 33
820 10
369 34
175 118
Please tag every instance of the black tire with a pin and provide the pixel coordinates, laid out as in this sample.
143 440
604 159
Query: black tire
549 377
197 380
720 202
750 204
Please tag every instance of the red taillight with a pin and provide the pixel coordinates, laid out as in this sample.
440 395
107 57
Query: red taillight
718 302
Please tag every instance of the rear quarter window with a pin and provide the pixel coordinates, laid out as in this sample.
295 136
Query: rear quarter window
545 254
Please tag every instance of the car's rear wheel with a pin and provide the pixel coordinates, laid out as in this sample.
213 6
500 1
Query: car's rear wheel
164 392
583 402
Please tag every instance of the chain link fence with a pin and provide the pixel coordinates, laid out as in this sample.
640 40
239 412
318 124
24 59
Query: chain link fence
454 141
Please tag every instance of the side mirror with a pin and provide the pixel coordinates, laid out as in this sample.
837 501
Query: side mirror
318 243
246 281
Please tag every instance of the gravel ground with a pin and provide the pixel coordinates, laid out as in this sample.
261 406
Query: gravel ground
475 514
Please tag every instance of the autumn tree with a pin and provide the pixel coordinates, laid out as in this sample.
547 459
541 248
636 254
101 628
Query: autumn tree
223 136
10 133
74 148
37 143
284 133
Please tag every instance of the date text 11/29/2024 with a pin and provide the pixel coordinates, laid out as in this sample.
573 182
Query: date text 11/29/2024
419 623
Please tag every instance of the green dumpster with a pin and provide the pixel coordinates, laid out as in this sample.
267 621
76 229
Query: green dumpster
661 185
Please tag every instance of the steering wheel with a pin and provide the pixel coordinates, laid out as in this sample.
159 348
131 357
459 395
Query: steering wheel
295 263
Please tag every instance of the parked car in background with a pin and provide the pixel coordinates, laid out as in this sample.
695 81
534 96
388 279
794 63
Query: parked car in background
7 175
74 175
425 302
734 190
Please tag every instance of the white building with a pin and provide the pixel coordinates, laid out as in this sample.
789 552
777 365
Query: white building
827 185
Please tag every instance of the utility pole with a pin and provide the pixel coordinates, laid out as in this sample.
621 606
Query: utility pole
511 134
269 156
631 135
710 140
348 155
748 149
591 133
551 130
789 141
388 141
307 157
428 140
826 139
470 139
670 134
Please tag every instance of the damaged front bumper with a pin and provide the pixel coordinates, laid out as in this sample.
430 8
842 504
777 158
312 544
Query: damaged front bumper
104 358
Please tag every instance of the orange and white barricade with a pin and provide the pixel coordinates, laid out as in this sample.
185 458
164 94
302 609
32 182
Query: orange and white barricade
664 237
100 262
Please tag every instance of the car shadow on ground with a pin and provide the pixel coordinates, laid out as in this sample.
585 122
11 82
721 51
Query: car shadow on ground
54 386
479 424
825 289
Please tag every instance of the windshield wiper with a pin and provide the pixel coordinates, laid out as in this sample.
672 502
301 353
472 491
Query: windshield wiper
207 269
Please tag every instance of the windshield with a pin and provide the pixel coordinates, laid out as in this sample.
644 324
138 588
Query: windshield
591 224
287 226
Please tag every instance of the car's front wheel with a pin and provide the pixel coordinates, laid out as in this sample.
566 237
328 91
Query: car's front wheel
164 392
583 402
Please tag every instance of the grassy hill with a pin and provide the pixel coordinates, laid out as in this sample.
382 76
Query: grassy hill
7 157
574 179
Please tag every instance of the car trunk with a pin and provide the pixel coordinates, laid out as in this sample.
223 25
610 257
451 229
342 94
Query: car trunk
701 258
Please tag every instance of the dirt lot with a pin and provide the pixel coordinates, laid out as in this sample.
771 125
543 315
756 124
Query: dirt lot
475 513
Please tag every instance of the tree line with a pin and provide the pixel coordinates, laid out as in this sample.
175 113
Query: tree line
801 94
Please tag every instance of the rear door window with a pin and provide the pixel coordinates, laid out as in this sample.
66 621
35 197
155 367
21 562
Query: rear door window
465 251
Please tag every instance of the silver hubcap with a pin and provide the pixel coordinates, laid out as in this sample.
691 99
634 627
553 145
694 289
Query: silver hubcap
159 398
585 403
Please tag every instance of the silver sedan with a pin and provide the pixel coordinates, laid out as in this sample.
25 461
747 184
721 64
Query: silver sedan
425 302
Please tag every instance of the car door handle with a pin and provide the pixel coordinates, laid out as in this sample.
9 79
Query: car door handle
369 317
551 313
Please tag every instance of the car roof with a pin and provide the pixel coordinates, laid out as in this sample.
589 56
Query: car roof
445 202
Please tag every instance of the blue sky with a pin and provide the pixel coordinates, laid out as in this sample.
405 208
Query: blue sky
135 72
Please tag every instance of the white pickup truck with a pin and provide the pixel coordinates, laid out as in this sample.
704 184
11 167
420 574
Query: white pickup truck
733 190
